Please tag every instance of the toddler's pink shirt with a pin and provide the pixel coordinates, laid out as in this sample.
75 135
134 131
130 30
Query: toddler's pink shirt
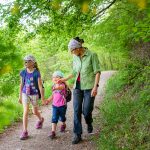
59 97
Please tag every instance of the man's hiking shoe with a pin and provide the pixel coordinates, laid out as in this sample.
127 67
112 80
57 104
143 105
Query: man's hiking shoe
77 138
62 128
24 135
39 124
89 128
52 135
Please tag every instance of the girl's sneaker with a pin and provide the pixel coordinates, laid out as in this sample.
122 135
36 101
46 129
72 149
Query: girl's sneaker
62 128
24 135
39 124
52 135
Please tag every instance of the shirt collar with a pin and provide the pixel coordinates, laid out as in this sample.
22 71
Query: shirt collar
85 52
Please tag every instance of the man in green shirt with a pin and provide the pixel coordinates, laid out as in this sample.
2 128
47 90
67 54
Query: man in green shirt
86 70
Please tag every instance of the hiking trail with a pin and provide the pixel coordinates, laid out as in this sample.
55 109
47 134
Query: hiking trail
39 140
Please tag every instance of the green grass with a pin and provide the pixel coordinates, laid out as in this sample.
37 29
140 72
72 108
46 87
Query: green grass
125 114
10 112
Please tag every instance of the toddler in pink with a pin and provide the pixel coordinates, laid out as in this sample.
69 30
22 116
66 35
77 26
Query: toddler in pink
59 106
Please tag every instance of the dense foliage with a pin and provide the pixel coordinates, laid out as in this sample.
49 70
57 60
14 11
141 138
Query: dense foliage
117 30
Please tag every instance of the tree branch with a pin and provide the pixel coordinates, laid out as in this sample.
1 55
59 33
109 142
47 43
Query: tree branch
103 10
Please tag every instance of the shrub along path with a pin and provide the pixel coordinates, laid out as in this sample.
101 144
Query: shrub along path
39 140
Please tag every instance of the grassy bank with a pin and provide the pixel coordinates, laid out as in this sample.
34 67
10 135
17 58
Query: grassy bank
10 112
125 112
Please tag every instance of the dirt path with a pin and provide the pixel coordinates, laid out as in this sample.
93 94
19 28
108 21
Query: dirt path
39 138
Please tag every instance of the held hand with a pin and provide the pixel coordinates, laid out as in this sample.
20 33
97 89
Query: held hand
47 102
94 92
43 102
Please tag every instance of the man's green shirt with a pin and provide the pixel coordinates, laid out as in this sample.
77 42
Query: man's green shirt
88 66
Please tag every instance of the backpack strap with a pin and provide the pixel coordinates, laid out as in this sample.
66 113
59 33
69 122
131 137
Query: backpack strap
35 79
23 73
61 92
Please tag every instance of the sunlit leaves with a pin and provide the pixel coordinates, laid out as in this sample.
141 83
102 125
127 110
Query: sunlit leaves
56 4
94 11
142 4
85 7
5 69
15 9
62 16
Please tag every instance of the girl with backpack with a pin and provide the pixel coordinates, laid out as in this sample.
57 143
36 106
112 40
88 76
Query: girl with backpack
59 106
30 89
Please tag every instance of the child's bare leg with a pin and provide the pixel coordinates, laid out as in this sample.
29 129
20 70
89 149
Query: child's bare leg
25 116
54 125
39 124
63 123
36 112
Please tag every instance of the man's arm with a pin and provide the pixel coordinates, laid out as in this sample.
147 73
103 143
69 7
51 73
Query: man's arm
96 84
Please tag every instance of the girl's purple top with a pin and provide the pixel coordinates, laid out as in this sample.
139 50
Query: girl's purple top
59 97
29 87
